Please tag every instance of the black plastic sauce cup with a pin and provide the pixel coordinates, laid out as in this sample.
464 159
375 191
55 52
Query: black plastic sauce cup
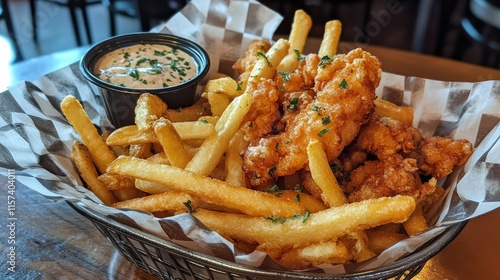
120 101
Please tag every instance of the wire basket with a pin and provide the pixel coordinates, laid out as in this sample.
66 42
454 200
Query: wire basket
167 260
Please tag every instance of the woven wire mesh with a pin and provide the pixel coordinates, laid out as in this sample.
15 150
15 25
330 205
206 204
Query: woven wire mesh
167 260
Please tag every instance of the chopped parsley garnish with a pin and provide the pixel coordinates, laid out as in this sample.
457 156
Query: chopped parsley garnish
323 132
276 147
134 74
189 206
299 57
293 103
306 216
263 55
297 198
238 86
335 168
160 53
141 61
276 219
272 170
274 189
316 108
298 188
343 84
204 121
325 120
324 61
126 55
285 75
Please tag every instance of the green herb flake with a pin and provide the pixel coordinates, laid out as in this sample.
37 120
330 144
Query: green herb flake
306 216
276 219
323 132
324 61
238 86
126 55
285 75
335 168
271 170
299 57
134 74
141 61
189 206
325 120
297 197
316 108
204 121
263 55
343 84
293 103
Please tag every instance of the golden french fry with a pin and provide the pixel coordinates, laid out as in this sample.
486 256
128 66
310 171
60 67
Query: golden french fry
209 190
128 193
171 142
191 113
266 65
83 161
116 182
331 38
276 232
140 150
301 26
381 240
148 109
234 163
212 149
416 223
226 85
218 102
332 194
389 109
309 202
334 252
172 200
78 118
128 135
358 245
151 187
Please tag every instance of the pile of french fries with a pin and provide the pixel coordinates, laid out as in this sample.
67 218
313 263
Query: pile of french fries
188 161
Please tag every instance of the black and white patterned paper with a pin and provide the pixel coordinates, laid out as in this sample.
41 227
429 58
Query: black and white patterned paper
36 138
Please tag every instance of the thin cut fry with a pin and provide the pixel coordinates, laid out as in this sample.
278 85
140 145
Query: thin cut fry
78 118
333 251
317 227
266 66
301 26
226 85
389 109
416 223
234 163
218 102
82 159
331 38
209 190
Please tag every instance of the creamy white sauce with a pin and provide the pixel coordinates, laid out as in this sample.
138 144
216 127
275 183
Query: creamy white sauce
146 66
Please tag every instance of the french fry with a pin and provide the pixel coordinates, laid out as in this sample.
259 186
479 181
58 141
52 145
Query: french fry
317 227
358 244
218 102
225 85
333 251
234 163
381 240
78 118
212 149
172 201
128 193
332 194
207 189
331 38
191 113
83 161
416 223
266 66
128 135
389 109
148 109
140 150
151 187
171 143
309 202
116 182
301 26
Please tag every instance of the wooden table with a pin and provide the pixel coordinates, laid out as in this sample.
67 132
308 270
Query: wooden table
53 241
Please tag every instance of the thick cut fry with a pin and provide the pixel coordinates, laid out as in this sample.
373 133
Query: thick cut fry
331 38
218 102
234 163
301 26
171 143
332 194
128 135
209 190
334 252
148 109
82 159
140 150
317 227
78 118
389 109
416 223
172 201
116 182
226 85
212 149
381 240
151 187
191 113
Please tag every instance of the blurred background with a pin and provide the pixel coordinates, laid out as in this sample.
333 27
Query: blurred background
466 30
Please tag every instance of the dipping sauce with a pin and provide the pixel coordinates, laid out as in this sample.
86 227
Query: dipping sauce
146 66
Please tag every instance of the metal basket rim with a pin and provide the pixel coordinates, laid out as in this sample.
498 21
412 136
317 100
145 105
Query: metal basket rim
411 261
